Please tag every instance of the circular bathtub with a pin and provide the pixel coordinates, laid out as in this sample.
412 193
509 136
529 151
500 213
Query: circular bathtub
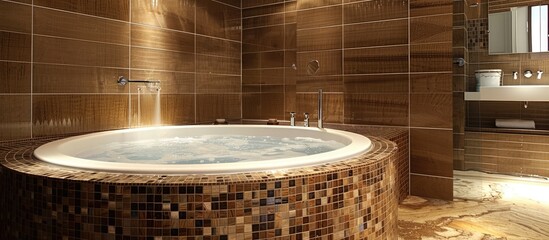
349 196
204 149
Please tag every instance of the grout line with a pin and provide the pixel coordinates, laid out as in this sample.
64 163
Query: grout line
409 107
81 40
431 128
129 44
21 3
431 15
17 32
266 51
343 59
83 14
195 67
16 94
97 93
226 4
129 21
263 15
241 65
259 5
130 64
79 65
284 64
14 61
432 176
32 71
358 48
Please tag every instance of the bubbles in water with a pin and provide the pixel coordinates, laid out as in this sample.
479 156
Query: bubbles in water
209 149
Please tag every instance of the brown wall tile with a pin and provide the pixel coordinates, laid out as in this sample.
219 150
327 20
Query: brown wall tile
318 3
250 107
176 15
76 79
313 83
436 57
15 46
218 20
430 7
395 32
60 114
431 82
15 77
81 48
270 105
15 120
272 19
212 106
382 83
431 29
78 26
170 82
143 58
319 39
272 76
272 59
323 17
15 17
377 109
375 10
431 152
432 110
432 187
65 51
147 104
236 3
330 62
263 39
211 83
333 104
115 9
376 60
152 37
217 65
257 3
218 47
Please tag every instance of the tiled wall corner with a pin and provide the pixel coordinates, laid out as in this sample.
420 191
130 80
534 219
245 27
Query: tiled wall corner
431 98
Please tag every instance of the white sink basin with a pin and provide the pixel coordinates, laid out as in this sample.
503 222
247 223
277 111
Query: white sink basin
531 93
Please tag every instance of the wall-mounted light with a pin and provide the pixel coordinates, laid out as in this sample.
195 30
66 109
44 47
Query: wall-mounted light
154 3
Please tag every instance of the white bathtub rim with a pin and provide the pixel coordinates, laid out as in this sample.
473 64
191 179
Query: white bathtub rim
52 153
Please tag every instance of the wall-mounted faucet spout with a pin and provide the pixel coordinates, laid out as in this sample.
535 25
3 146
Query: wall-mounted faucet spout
123 81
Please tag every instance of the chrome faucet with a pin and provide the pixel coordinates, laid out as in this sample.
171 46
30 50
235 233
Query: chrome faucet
306 120
292 118
320 125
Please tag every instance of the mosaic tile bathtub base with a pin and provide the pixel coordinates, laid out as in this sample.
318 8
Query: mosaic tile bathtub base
350 199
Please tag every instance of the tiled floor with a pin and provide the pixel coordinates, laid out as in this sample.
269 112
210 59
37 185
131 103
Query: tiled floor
486 207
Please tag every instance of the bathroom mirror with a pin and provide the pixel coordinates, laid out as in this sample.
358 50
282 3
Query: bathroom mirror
520 27
313 67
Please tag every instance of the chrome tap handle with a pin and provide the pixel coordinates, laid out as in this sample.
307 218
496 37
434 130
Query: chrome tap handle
292 118
306 120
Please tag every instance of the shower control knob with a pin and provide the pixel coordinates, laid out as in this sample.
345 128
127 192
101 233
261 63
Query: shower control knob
527 74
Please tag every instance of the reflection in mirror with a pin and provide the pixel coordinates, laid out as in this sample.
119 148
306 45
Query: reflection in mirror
518 29
313 67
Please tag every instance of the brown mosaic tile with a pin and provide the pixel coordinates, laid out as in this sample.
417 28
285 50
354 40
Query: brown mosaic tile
351 199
